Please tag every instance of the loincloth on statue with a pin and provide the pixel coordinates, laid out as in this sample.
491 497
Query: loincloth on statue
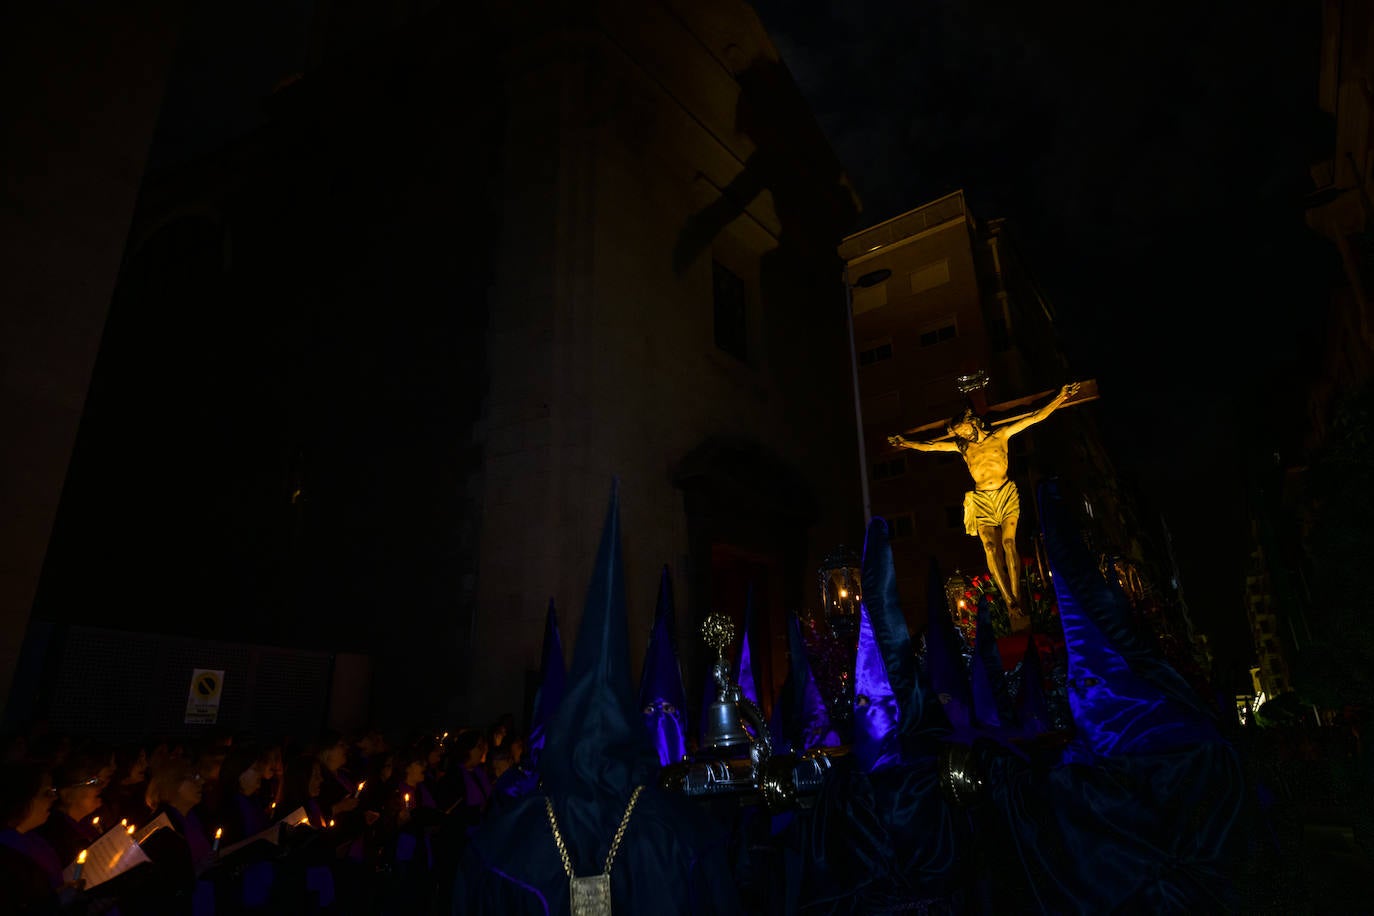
990 508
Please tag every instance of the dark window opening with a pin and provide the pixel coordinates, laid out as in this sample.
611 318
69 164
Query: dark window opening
939 335
875 354
901 526
731 312
884 470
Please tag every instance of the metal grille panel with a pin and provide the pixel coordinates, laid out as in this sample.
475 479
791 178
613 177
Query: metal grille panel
117 685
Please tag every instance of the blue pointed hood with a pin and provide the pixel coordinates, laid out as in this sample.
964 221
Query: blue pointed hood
552 683
944 662
662 697
889 698
744 675
801 720
1032 710
1125 699
596 751
985 670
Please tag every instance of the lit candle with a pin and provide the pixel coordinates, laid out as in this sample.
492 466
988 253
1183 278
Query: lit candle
407 801
331 823
80 864
219 832
95 821
132 828
360 788
123 822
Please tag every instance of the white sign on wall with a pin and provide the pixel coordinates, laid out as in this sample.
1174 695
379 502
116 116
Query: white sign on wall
202 702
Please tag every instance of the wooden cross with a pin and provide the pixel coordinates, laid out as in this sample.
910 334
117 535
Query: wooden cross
1010 411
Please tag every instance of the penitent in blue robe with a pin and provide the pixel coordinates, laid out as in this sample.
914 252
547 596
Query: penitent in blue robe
671 861
882 838
1135 816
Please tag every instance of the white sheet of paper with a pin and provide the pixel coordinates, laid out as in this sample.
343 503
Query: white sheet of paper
111 855
270 835
151 827
296 818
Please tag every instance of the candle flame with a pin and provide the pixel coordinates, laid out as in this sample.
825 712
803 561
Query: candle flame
331 822
360 786
95 821
132 828
219 832
81 857
123 822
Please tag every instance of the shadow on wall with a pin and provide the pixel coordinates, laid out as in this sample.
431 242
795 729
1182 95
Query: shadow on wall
792 159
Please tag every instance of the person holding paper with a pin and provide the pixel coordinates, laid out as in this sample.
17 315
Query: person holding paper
240 813
177 850
78 785
123 798
337 786
301 786
30 872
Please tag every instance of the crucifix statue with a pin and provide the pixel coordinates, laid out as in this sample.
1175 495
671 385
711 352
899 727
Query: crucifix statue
993 506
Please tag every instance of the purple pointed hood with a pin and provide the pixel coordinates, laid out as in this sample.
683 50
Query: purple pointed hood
801 720
744 675
876 713
1125 699
661 694
889 698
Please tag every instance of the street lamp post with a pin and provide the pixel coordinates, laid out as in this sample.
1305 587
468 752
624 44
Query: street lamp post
872 278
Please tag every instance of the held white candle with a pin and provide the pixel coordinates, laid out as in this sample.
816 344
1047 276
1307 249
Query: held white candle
80 864
360 789
407 801
95 821
132 828
219 832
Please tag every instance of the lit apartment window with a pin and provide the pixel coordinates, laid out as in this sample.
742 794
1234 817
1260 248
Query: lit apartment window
875 354
731 312
939 335
883 470
901 526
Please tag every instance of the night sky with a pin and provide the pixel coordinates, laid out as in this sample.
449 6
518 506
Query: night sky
1152 161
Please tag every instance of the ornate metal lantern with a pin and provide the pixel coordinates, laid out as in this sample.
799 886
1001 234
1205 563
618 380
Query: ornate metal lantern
841 595
842 588
955 588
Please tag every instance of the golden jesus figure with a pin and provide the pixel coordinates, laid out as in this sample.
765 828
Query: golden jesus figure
992 507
